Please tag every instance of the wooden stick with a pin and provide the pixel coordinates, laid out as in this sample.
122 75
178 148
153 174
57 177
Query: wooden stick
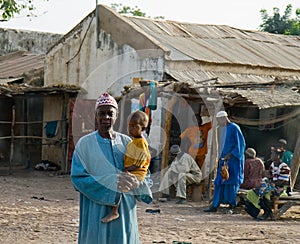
12 139
295 163
168 124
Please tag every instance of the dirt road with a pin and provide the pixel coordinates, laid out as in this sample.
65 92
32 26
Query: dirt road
41 207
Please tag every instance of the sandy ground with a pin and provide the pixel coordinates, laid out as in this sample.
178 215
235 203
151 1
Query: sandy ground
42 207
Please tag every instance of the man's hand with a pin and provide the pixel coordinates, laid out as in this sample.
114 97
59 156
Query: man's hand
227 157
127 181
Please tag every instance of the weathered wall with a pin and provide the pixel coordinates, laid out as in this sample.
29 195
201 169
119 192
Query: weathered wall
52 149
292 132
76 60
19 40
26 148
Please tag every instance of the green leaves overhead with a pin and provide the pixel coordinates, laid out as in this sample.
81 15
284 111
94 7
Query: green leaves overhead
281 24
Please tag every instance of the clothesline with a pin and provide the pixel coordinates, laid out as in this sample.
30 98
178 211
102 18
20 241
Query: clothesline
31 122
28 137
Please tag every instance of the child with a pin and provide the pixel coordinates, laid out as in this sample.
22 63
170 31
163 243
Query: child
137 157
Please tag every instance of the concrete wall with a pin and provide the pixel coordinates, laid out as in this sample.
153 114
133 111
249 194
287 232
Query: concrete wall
76 60
12 40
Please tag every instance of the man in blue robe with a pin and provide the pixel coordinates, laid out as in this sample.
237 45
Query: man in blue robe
96 173
231 148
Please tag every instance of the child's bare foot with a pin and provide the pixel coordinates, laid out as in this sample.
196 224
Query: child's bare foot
110 217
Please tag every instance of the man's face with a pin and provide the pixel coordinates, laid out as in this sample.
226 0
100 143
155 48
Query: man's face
221 121
172 156
106 116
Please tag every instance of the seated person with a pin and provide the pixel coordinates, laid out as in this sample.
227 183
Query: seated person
286 155
279 171
182 172
253 170
276 185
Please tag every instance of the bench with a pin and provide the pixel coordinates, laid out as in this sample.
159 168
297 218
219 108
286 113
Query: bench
284 203
280 204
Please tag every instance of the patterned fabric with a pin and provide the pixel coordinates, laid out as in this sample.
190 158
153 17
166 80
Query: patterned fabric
280 172
106 99
137 153
265 188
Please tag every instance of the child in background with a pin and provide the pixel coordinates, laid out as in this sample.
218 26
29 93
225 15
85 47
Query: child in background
137 157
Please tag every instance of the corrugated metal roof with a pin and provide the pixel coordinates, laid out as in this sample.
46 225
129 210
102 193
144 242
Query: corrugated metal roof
262 91
223 44
202 78
9 80
266 97
16 64
20 89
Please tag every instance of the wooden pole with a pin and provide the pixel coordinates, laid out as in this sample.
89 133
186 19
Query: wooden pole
295 163
213 157
64 133
12 139
168 124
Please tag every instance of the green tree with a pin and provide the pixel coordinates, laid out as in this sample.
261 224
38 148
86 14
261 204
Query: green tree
281 24
127 10
8 8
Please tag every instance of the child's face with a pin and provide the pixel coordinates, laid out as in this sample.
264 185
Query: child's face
135 128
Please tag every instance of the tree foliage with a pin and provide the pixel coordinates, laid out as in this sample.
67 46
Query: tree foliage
281 24
8 8
132 11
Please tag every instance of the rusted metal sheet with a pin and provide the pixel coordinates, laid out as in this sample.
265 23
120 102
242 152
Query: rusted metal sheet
266 97
223 44
262 91
202 78
16 64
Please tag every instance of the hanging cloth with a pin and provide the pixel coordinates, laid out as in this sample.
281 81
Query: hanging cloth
152 103
51 128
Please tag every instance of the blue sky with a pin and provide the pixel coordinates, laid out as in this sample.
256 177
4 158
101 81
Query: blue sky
60 16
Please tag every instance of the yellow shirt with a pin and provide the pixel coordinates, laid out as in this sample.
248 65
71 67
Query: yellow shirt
138 154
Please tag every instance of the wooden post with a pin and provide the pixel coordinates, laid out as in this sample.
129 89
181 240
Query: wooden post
213 157
168 124
295 163
64 133
12 139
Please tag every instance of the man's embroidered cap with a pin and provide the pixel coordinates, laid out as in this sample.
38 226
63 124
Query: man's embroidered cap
106 100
